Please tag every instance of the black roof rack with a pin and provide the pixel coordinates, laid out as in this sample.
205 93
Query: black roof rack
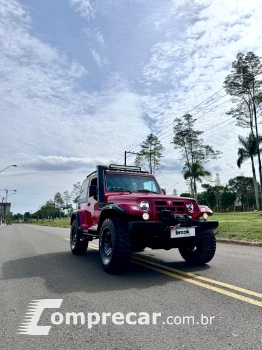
124 168
127 168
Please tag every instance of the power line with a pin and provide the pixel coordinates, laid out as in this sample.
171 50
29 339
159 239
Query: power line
134 147
217 126
197 118
159 135
204 114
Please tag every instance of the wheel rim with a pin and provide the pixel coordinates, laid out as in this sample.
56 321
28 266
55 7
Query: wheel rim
106 246
73 237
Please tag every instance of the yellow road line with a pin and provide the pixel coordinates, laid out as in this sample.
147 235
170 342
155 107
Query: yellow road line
93 246
189 274
204 285
67 239
191 278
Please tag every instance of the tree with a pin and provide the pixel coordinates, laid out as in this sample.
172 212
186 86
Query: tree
27 216
150 154
249 151
194 152
76 192
186 194
174 192
67 198
195 171
59 202
244 83
210 196
227 198
18 217
243 187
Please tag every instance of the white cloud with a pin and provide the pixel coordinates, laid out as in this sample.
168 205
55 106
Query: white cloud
83 7
56 163
96 35
100 61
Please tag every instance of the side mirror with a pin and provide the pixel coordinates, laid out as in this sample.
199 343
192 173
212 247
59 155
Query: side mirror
93 191
163 190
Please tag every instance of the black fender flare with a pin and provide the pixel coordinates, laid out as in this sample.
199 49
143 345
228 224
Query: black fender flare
111 210
76 215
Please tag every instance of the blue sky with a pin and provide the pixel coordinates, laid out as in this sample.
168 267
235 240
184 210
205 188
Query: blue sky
84 80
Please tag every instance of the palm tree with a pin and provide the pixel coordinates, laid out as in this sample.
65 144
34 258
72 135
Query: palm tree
195 172
249 151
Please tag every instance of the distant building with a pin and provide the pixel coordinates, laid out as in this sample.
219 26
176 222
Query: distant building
5 209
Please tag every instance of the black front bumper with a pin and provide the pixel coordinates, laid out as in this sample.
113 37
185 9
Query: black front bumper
157 235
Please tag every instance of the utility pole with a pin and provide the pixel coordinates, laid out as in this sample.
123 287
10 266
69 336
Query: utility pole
2 211
126 152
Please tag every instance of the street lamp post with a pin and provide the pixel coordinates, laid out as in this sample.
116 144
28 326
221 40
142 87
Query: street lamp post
14 165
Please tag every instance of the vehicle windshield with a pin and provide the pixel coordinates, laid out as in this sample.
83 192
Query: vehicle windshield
131 183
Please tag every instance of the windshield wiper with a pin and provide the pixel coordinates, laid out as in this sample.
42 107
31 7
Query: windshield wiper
119 189
147 191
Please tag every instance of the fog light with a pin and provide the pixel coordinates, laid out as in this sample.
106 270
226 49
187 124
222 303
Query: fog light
205 216
145 216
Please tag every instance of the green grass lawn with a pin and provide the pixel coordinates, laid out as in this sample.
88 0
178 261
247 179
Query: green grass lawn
63 222
238 226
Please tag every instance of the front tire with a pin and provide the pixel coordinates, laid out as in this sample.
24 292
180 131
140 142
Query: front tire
138 247
115 245
203 251
78 246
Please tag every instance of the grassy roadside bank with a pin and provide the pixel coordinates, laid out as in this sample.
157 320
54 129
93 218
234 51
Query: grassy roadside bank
240 226
245 226
63 222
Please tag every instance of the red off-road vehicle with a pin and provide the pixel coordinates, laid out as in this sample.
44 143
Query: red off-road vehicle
126 209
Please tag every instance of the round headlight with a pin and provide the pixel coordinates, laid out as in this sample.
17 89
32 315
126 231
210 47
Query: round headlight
190 207
144 206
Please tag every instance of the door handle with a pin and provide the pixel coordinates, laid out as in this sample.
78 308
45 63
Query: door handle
88 204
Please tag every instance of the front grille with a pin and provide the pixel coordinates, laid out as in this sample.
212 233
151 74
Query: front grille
160 202
173 206
173 209
179 203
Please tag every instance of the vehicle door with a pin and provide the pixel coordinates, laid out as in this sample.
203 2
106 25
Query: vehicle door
92 207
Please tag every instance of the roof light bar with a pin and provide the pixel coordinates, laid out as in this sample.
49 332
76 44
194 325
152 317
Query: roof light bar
130 168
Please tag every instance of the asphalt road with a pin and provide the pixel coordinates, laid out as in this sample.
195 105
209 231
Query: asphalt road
36 263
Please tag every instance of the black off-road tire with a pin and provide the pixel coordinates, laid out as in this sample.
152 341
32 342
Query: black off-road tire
204 250
115 245
77 246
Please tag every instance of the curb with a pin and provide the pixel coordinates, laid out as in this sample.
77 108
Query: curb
227 241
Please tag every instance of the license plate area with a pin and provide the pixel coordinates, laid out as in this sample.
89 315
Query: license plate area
183 232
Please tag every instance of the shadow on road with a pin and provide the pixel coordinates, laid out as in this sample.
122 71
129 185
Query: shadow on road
67 273
180 265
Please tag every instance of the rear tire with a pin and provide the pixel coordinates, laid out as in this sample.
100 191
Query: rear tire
203 251
77 246
115 245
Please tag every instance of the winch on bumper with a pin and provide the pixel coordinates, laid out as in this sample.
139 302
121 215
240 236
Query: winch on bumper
171 231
